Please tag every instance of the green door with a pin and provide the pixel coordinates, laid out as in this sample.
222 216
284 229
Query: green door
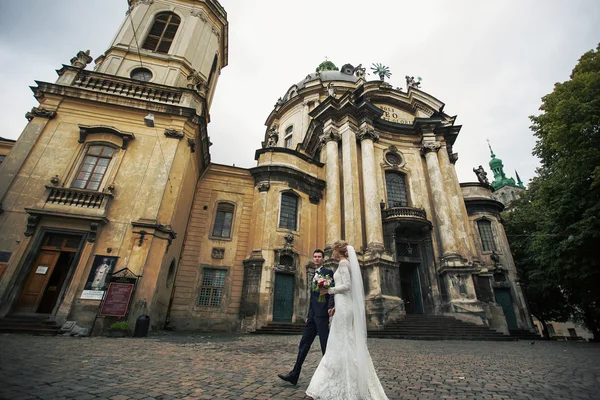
416 290
504 300
283 302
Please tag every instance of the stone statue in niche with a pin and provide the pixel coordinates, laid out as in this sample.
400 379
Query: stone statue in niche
330 90
481 175
272 137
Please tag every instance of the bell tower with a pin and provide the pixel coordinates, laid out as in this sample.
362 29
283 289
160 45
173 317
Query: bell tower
181 43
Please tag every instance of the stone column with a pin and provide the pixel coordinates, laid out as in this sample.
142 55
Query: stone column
352 195
374 228
38 119
258 241
332 203
440 202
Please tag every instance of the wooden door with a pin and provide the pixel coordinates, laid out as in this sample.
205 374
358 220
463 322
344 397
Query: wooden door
37 280
283 301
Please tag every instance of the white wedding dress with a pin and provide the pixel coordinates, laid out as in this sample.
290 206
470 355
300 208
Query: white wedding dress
346 370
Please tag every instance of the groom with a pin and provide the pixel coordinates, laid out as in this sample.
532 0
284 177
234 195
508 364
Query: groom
317 322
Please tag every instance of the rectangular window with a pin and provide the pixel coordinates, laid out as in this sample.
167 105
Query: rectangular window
94 166
396 190
487 237
572 332
289 211
223 220
288 142
211 291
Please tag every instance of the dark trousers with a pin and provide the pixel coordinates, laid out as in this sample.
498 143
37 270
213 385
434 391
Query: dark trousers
314 326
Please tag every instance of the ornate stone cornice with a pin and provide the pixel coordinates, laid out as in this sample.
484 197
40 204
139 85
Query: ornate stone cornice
40 112
296 179
427 147
85 130
174 134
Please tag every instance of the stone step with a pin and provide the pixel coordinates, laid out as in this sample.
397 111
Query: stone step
424 337
40 325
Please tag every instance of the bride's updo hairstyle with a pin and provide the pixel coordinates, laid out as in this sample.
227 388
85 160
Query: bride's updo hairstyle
341 246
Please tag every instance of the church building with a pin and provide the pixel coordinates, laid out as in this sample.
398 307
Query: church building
112 179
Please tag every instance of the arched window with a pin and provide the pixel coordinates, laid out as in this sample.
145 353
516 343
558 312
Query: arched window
396 189
485 233
163 31
93 167
223 220
287 143
288 217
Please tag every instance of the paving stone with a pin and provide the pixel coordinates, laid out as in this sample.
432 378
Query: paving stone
217 366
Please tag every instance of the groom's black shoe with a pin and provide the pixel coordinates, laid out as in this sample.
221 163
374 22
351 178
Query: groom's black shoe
289 377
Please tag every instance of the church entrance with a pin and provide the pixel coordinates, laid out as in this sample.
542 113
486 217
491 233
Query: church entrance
410 288
283 299
504 300
49 272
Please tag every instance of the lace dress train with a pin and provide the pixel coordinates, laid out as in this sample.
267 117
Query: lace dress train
336 377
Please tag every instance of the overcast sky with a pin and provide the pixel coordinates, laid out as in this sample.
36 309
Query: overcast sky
489 62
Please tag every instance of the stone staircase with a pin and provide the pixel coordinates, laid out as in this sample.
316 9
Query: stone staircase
280 328
523 334
436 327
37 325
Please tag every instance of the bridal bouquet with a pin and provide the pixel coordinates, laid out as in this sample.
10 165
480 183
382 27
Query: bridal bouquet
321 281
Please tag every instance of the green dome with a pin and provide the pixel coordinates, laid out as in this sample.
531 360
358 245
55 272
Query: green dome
495 162
327 66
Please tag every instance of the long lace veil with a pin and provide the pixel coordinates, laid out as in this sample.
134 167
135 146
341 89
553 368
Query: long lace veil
360 321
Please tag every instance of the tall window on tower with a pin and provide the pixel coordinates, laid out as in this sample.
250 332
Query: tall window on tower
288 137
93 168
487 237
288 217
396 189
163 31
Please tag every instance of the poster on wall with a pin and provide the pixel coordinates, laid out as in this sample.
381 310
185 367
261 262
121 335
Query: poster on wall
99 277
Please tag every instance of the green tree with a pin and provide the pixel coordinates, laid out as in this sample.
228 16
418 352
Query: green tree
547 302
565 194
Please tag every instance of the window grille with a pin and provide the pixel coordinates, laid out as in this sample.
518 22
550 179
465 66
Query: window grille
211 291
163 31
289 211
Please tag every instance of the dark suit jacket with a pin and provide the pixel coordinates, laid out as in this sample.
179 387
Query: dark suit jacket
317 309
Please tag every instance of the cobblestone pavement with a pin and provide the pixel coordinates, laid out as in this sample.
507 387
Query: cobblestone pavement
211 366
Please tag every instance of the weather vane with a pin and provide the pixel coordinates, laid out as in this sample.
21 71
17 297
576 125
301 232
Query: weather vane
381 70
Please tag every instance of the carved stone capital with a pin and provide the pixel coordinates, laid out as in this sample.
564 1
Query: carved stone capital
40 112
198 13
172 133
263 186
430 146
367 133
197 83
216 32
453 158
330 134
135 3
82 59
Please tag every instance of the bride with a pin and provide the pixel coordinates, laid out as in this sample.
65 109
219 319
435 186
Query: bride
346 370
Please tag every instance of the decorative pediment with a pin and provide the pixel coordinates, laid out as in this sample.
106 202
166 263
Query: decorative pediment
85 130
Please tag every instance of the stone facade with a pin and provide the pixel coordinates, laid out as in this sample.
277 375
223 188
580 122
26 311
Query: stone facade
224 248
